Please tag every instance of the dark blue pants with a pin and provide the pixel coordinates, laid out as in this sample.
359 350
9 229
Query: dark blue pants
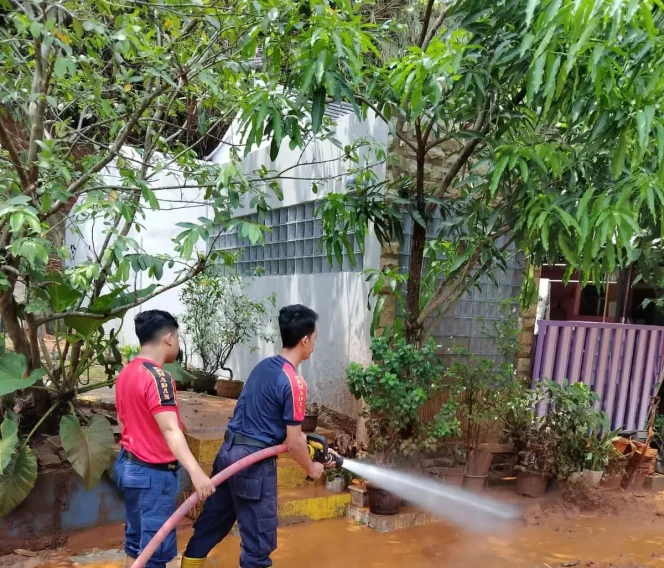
150 498
250 497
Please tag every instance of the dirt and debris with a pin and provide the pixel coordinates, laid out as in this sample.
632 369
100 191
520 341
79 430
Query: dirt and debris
337 421
575 501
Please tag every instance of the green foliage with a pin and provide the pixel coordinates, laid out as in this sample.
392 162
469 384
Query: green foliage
129 351
395 387
89 449
543 116
103 107
17 480
13 371
8 441
219 316
567 438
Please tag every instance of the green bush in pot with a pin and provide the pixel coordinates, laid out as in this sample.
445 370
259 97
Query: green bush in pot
218 317
395 387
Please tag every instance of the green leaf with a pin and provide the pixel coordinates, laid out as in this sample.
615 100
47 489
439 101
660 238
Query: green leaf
8 442
13 369
90 449
644 119
497 172
17 480
530 11
536 77
618 164
60 67
180 374
85 326
318 109
62 295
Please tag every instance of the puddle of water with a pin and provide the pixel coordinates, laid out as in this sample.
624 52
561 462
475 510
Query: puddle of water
336 543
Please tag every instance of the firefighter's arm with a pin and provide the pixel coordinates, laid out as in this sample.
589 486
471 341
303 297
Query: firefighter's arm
297 446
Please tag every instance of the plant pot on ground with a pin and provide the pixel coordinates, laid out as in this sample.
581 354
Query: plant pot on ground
382 502
337 480
310 422
531 483
218 317
229 388
203 382
450 475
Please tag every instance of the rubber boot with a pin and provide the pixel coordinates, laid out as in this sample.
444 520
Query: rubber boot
192 562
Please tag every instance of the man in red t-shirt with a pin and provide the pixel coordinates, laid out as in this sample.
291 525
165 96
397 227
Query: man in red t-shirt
153 444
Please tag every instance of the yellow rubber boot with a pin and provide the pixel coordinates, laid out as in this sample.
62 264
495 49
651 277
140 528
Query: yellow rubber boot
192 562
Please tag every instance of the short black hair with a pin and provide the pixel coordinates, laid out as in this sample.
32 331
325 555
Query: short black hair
152 324
295 323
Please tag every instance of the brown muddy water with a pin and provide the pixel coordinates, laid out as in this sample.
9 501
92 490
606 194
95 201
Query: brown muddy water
596 542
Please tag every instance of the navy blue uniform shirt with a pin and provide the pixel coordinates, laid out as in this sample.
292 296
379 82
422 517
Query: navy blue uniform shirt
273 397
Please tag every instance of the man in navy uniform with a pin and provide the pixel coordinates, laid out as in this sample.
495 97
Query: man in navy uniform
269 411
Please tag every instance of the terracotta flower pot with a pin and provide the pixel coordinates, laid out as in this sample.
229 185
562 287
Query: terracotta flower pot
229 389
531 483
475 483
310 423
450 475
382 502
203 382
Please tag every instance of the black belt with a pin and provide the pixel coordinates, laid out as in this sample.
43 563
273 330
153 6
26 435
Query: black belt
242 440
170 466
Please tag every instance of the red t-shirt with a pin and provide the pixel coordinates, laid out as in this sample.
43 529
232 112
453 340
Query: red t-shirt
142 390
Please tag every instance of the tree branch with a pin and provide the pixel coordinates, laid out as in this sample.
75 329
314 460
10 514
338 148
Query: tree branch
425 23
6 141
195 270
399 134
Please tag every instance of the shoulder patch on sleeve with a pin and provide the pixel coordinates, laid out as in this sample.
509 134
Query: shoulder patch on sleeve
164 384
299 391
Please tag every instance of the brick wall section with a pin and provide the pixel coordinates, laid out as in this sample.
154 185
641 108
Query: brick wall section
527 320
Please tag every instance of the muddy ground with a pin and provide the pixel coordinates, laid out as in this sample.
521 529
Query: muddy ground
571 527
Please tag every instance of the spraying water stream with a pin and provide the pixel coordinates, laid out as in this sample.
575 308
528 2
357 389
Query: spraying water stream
468 510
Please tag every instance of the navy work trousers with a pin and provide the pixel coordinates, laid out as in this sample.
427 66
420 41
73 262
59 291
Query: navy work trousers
250 497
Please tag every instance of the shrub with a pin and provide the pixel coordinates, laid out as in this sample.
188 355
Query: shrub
219 316
395 387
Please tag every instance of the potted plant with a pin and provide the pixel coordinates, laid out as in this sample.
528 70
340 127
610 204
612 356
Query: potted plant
401 379
616 466
599 452
483 391
218 317
310 422
572 417
337 479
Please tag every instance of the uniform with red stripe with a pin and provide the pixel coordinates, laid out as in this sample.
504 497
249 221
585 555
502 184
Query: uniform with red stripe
270 411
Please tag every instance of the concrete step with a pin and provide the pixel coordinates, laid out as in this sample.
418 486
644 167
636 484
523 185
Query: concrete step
311 503
289 474
204 445
303 504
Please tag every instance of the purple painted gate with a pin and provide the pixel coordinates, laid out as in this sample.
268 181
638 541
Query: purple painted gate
621 363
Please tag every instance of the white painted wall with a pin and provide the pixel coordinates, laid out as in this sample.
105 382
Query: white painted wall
339 298
156 237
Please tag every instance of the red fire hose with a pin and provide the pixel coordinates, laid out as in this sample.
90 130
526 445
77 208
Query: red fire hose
183 509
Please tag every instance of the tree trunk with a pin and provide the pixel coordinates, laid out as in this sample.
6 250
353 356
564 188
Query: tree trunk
417 244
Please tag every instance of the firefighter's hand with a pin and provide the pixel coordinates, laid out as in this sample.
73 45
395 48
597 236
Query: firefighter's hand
332 463
204 487
316 470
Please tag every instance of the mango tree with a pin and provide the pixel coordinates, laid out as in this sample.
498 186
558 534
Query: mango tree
97 100
545 119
